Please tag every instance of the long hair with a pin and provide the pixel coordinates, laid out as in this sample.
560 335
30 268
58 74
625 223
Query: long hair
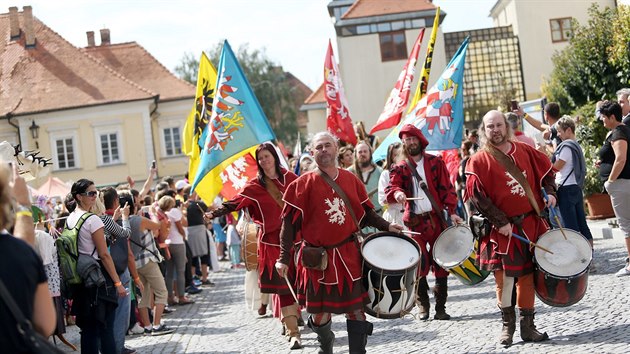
391 149
355 163
483 139
80 187
261 173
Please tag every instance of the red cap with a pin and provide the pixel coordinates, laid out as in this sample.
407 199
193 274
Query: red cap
411 129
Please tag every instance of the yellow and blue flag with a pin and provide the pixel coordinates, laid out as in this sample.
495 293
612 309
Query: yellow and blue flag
440 113
197 121
237 121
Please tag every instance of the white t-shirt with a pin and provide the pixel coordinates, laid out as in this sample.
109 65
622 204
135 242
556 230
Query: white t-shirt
174 237
232 236
91 225
565 155
423 205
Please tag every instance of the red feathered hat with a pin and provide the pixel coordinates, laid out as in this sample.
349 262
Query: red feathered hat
411 129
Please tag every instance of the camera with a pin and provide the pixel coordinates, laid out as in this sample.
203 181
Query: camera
514 104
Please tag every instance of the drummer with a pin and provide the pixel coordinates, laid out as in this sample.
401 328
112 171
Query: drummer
315 210
425 191
511 207
262 197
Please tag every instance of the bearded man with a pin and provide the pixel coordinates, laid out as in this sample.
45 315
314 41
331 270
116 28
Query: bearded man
367 171
504 181
421 182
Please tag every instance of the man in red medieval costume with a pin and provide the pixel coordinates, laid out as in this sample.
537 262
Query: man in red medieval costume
262 197
319 216
421 183
504 181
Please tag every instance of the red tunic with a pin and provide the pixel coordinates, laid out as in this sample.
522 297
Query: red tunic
485 175
266 212
326 222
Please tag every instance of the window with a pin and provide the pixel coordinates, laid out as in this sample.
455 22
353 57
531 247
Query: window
560 29
110 152
393 46
172 141
65 153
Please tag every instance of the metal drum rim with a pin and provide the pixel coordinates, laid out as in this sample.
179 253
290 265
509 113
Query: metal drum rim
540 268
392 234
470 251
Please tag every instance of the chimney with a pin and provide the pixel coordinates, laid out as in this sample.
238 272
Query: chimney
90 38
29 33
105 37
14 22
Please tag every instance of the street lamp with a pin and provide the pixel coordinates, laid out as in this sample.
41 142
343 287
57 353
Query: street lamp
34 128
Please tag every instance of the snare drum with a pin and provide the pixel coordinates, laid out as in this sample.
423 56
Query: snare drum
561 278
455 251
390 265
249 246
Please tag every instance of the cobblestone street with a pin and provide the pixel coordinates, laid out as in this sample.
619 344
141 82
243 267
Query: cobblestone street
219 322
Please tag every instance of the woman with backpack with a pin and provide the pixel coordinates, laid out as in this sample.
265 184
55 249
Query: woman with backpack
95 306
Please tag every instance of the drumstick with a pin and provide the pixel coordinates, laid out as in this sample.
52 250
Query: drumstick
531 243
411 232
291 288
415 198
553 214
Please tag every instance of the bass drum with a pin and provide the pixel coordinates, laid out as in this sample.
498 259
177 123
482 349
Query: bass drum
561 278
390 267
455 251
249 246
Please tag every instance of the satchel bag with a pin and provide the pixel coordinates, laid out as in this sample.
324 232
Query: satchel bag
34 341
314 258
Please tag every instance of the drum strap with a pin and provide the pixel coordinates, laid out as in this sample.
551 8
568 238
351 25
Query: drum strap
513 170
273 190
343 196
426 191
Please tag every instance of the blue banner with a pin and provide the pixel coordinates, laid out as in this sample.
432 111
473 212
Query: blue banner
440 113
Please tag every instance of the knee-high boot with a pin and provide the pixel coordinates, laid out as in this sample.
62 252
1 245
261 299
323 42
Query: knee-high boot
358 331
290 322
440 291
325 336
509 325
423 298
529 333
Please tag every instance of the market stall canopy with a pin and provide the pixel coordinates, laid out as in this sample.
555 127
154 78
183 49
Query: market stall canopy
54 187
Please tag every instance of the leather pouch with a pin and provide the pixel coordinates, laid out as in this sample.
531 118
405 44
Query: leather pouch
314 258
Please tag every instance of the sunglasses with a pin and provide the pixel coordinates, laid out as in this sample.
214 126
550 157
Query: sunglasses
90 193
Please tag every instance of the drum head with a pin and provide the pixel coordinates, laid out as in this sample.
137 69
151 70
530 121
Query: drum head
453 246
570 257
390 251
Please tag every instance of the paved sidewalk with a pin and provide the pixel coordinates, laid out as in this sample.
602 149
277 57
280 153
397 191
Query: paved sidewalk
219 322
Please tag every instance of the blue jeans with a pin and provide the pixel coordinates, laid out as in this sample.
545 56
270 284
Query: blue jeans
121 316
96 336
571 204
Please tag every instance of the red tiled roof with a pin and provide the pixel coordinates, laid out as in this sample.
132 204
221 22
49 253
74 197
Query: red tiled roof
367 8
138 65
55 75
317 96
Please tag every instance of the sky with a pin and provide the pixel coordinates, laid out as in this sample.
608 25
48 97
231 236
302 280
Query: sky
294 33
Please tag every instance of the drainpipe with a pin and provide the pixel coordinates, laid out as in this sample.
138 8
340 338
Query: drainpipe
9 116
154 111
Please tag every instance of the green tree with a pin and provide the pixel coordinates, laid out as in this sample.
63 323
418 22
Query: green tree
595 64
268 81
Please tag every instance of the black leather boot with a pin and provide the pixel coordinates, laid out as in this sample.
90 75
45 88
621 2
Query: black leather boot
529 333
440 291
423 298
325 336
509 325
358 331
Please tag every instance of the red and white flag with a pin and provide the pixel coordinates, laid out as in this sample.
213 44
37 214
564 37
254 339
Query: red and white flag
399 96
338 120
236 175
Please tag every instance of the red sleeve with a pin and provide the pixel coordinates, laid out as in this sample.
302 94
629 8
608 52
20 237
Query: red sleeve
396 174
445 188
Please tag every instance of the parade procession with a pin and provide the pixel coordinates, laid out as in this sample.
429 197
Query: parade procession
467 191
